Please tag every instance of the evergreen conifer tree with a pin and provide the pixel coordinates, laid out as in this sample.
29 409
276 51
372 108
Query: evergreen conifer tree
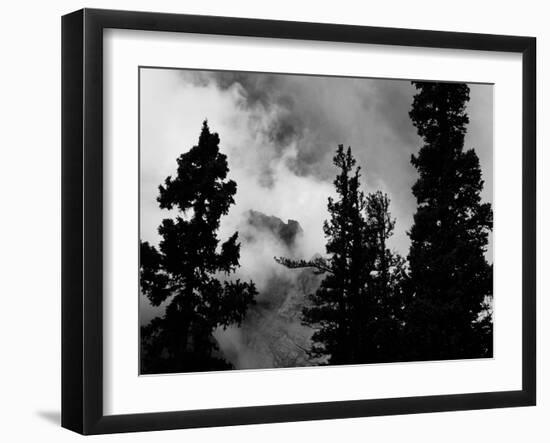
187 268
350 308
450 280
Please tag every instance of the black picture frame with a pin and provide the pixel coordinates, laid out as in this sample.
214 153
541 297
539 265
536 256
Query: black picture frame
82 218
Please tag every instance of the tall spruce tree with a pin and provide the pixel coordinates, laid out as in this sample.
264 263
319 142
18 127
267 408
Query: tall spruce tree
350 306
450 280
186 268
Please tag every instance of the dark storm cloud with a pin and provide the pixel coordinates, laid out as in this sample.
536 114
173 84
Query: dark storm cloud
392 104
295 118
259 88
284 130
297 107
318 113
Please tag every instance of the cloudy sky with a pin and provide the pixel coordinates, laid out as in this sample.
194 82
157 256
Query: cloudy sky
280 133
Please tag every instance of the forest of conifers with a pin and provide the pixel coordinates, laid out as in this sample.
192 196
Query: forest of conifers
371 305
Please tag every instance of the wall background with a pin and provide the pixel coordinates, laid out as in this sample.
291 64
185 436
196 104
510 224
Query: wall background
30 219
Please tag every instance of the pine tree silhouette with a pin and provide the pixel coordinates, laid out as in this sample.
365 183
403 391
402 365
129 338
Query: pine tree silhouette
450 279
357 296
186 268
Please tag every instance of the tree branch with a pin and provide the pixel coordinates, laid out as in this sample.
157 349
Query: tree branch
320 265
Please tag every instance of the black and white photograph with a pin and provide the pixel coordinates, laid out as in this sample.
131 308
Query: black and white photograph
300 220
243 222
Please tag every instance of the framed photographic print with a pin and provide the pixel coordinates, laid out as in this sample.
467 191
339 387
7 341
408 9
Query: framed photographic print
269 221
